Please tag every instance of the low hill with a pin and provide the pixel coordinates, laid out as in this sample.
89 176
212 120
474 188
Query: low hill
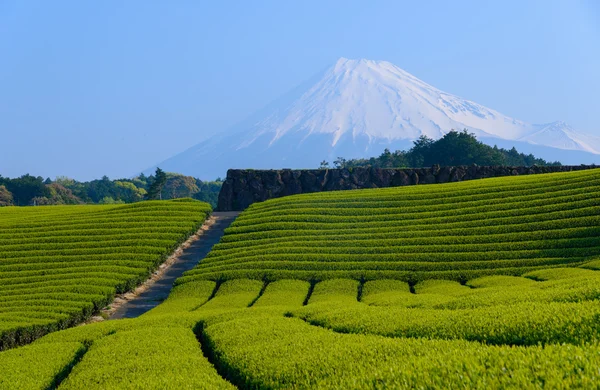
60 264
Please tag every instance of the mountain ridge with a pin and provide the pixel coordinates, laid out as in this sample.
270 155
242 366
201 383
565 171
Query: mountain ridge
355 109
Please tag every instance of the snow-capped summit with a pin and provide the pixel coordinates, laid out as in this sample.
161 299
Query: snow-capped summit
356 108
382 101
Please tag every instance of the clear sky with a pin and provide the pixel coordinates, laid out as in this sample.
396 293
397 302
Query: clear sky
89 88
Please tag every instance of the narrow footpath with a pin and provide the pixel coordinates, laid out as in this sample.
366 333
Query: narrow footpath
192 255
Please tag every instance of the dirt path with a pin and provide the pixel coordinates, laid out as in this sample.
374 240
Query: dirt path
158 287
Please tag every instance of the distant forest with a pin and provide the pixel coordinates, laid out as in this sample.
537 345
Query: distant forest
30 190
454 148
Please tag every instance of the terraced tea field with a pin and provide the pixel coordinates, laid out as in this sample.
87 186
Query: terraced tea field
450 231
58 265
484 284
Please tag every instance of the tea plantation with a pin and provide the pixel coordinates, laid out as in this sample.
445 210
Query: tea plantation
451 231
60 264
484 284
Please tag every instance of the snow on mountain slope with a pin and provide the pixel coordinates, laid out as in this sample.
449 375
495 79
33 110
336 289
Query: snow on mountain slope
562 136
382 101
356 108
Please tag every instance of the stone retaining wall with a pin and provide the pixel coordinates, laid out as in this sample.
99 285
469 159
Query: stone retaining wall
246 186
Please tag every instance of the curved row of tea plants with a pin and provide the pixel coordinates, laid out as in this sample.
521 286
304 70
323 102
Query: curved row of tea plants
254 334
60 264
459 231
562 306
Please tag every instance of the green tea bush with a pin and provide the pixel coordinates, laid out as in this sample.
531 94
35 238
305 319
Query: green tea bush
40 366
263 352
143 359
60 264
285 292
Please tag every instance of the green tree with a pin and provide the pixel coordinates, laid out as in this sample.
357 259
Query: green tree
128 191
25 188
386 159
180 186
155 190
64 181
209 191
339 162
420 153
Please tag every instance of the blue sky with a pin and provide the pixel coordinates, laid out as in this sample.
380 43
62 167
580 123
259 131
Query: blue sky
113 87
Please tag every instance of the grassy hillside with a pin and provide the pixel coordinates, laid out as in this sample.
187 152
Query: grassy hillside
458 231
60 264
468 321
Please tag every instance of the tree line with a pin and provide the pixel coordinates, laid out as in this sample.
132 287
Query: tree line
29 190
454 148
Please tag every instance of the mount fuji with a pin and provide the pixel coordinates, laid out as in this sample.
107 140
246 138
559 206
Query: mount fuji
357 108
